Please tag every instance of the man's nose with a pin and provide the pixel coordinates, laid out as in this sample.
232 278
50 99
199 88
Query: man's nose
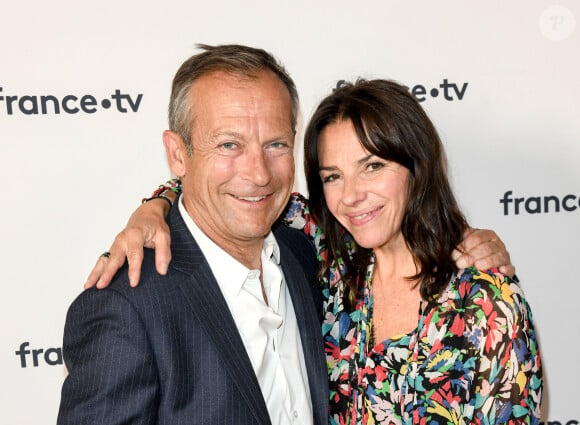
257 168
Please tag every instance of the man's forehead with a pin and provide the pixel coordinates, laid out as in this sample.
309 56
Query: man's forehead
219 79
228 101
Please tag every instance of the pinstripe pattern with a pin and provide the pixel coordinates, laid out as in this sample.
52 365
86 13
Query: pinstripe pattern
298 255
168 351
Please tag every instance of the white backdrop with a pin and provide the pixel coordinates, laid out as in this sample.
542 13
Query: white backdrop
507 106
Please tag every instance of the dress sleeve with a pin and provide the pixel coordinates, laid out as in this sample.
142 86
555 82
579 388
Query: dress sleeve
508 379
298 216
174 185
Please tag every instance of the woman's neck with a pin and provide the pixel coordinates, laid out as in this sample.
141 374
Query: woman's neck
394 261
396 298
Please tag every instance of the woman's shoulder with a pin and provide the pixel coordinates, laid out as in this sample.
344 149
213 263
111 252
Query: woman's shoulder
296 211
489 308
486 291
297 216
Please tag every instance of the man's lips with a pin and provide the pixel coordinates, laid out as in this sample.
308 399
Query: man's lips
252 199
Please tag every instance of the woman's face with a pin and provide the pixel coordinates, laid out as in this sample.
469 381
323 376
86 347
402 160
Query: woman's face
365 193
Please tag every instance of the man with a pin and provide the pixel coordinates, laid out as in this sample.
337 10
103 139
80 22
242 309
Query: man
233 336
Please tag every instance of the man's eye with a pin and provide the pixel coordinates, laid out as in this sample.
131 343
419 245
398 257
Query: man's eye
228 145
278 145
277 148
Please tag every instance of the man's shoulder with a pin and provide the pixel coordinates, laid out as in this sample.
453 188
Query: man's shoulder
150 280
296 240
298 245
120 296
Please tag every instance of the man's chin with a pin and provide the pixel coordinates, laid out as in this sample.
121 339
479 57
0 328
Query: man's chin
255 230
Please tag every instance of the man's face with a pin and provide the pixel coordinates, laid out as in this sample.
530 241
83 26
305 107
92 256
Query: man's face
239 178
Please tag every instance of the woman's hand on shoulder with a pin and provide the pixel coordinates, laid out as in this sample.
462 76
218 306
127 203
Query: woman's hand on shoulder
146 228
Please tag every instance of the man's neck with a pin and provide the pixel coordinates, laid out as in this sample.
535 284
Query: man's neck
247 251
247 254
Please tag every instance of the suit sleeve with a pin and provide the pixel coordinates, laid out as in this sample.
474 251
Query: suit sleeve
112 374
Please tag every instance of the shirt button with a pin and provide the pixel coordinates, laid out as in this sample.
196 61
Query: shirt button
295 413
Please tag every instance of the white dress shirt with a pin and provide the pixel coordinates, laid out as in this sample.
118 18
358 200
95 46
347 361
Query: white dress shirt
269 330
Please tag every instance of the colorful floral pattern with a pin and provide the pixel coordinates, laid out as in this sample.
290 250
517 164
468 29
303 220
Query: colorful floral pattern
473 358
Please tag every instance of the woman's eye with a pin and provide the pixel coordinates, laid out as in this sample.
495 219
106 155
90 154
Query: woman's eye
329 178
372 166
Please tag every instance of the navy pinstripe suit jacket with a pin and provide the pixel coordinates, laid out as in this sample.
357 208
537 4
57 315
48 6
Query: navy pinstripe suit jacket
168 351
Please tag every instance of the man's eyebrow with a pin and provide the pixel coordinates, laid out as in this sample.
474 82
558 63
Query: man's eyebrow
221 133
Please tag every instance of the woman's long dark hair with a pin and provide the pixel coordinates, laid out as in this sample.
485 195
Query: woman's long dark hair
390 124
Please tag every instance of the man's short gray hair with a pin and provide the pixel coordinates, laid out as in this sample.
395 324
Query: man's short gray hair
231 58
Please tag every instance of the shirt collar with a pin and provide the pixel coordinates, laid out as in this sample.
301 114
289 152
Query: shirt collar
270 248
228 272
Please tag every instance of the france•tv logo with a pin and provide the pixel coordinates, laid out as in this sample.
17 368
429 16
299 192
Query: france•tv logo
538 204
68 104
50 356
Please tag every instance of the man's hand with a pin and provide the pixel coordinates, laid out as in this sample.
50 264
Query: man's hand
146 228
483 249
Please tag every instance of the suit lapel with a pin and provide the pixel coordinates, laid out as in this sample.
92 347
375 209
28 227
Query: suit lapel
209 306
309 326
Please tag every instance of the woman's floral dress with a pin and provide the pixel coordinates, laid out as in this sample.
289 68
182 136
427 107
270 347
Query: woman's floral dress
473 358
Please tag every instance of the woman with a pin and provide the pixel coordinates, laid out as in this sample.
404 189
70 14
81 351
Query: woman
409 337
